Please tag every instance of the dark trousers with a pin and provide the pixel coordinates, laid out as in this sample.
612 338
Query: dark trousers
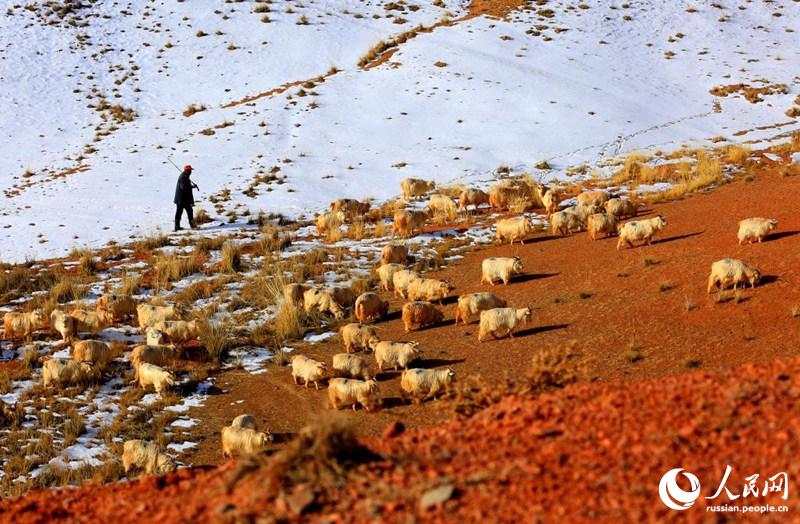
179 211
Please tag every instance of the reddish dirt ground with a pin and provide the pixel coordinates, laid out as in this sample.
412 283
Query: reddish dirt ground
522 460
622 306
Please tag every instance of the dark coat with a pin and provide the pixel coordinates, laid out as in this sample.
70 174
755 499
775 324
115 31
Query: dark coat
183 190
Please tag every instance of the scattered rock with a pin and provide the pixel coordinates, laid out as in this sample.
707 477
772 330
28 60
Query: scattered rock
436 496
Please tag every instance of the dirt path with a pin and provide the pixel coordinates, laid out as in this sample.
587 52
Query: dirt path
650 299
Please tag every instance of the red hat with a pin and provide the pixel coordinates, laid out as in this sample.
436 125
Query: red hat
187 167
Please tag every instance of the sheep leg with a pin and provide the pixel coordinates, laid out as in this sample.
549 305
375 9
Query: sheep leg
316 385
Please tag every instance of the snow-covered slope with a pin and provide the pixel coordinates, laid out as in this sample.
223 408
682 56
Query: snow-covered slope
561 82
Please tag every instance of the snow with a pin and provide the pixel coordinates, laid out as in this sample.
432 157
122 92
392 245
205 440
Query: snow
504 97
312 337
195 400
250 358
183 446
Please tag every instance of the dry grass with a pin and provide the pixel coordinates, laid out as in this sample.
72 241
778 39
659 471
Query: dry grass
201 217
67 289
555 368
737 154
288 324
171 267
128 286
151 242
202 289
231 258
216 337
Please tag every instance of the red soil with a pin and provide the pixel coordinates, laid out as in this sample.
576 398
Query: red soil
590 452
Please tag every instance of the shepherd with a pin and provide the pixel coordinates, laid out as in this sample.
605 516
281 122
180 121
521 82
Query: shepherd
184 200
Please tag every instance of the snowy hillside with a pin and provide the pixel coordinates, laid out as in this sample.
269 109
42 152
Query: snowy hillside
95 100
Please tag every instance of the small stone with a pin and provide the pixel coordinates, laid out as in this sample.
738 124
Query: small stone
394 429
300 499
436 496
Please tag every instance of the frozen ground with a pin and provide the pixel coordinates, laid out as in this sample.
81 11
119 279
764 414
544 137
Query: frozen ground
571 85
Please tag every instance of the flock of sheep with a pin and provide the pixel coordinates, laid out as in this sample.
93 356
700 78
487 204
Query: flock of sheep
351 381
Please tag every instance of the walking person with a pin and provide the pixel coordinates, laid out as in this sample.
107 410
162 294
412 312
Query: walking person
184 199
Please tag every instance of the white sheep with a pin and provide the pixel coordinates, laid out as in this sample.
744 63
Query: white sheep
308 370
152 375
347 391
293 294
22 324
63 371
472 197
356 336
596 199
119 306
500 268
731 271
565 222
63 324
386 274
401 280
440 204
369 307
501 322
178 331
329 221
149 315
419 314
94 351
323 301
352 366
427 382
155 337
91 321
394 254
429 289
156 355
550 201
620 207
516 228
243 441
406 222
637 230
350 207
601 224
137 454
394 354
414 187
244 421
471 305
755 229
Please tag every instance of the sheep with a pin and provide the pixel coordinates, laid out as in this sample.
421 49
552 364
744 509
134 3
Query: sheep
119 306
440 204
64 371
583 211
323 301
516 228
91 321
369 307
155 337
93 351
394 254
344 296
139 454
24 324
160 356
620 208
350 208
731 271
472 304
550 201
417 315
500 268
407 223
64 325
601 223
401 280
564 222
328 221
149 315
350 391
308 369
244 421
429 289
394 354
414 187
243 440
352 366
386 274
152 375
293 294
179 330
356 336
429 382
594 198
640 230
499 322
751 229
508 192
474 197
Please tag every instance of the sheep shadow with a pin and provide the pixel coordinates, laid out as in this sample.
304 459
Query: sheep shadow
678 237
528 277
767 280
393 402
540 329
779 235
449 300
282 438
394 315
387 374
437 362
